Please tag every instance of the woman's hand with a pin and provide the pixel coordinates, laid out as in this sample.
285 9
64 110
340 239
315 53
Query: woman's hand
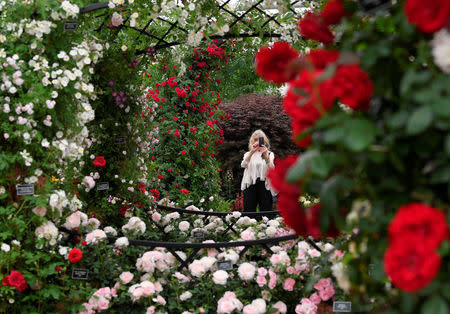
255 147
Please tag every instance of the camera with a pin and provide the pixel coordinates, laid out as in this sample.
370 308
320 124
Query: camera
261 141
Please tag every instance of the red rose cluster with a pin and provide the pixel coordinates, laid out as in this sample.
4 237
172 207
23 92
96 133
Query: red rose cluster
317 26
428 16
15 279
312 92
411 260
310 95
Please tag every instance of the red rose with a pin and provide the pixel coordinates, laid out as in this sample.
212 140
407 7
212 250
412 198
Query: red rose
16 279
99 161
311 27
287 202
429 16
321 58
183 152
305 103
184 191
272 62
277 175
416 219
411 265
353 86
292 213
312 215
5 281
75 255
333 12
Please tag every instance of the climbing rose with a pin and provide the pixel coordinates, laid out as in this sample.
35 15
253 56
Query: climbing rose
312 27
272 62
75 255
411 265
353 87
321 58
417 219
429 16
99 161
333 12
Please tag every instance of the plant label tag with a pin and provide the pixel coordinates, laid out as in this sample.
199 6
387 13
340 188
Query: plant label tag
370 6
120 140
224 265
102 186
80 273
94 7
25 189
199 234
341 306
70 25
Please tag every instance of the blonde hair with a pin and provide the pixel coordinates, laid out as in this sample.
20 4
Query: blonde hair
258 134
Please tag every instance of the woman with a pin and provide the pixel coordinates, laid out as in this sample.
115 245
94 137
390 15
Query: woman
255 185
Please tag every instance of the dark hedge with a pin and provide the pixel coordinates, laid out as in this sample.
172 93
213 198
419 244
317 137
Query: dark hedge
249 113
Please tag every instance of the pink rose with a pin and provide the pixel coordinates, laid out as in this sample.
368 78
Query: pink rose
246 271
290 270
272 284
323 283
40 211
315 298
102 304
281 307
151 310
116 19
156 217
327 293
288 284
88 182
137 293
225 306
262 271
250 309
158 287
261 281
229 295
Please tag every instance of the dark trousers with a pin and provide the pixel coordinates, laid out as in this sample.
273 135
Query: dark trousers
257 194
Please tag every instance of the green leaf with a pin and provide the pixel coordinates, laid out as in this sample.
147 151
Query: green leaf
435 305
419 120
441 107
447 144
441 175
398 119
360 134
412 77
297 171
320 167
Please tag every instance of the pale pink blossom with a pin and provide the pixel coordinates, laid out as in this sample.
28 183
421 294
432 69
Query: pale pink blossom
116 19
126 277
151 310
250 309
95 236
40 211
246 271
281 307
220 277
